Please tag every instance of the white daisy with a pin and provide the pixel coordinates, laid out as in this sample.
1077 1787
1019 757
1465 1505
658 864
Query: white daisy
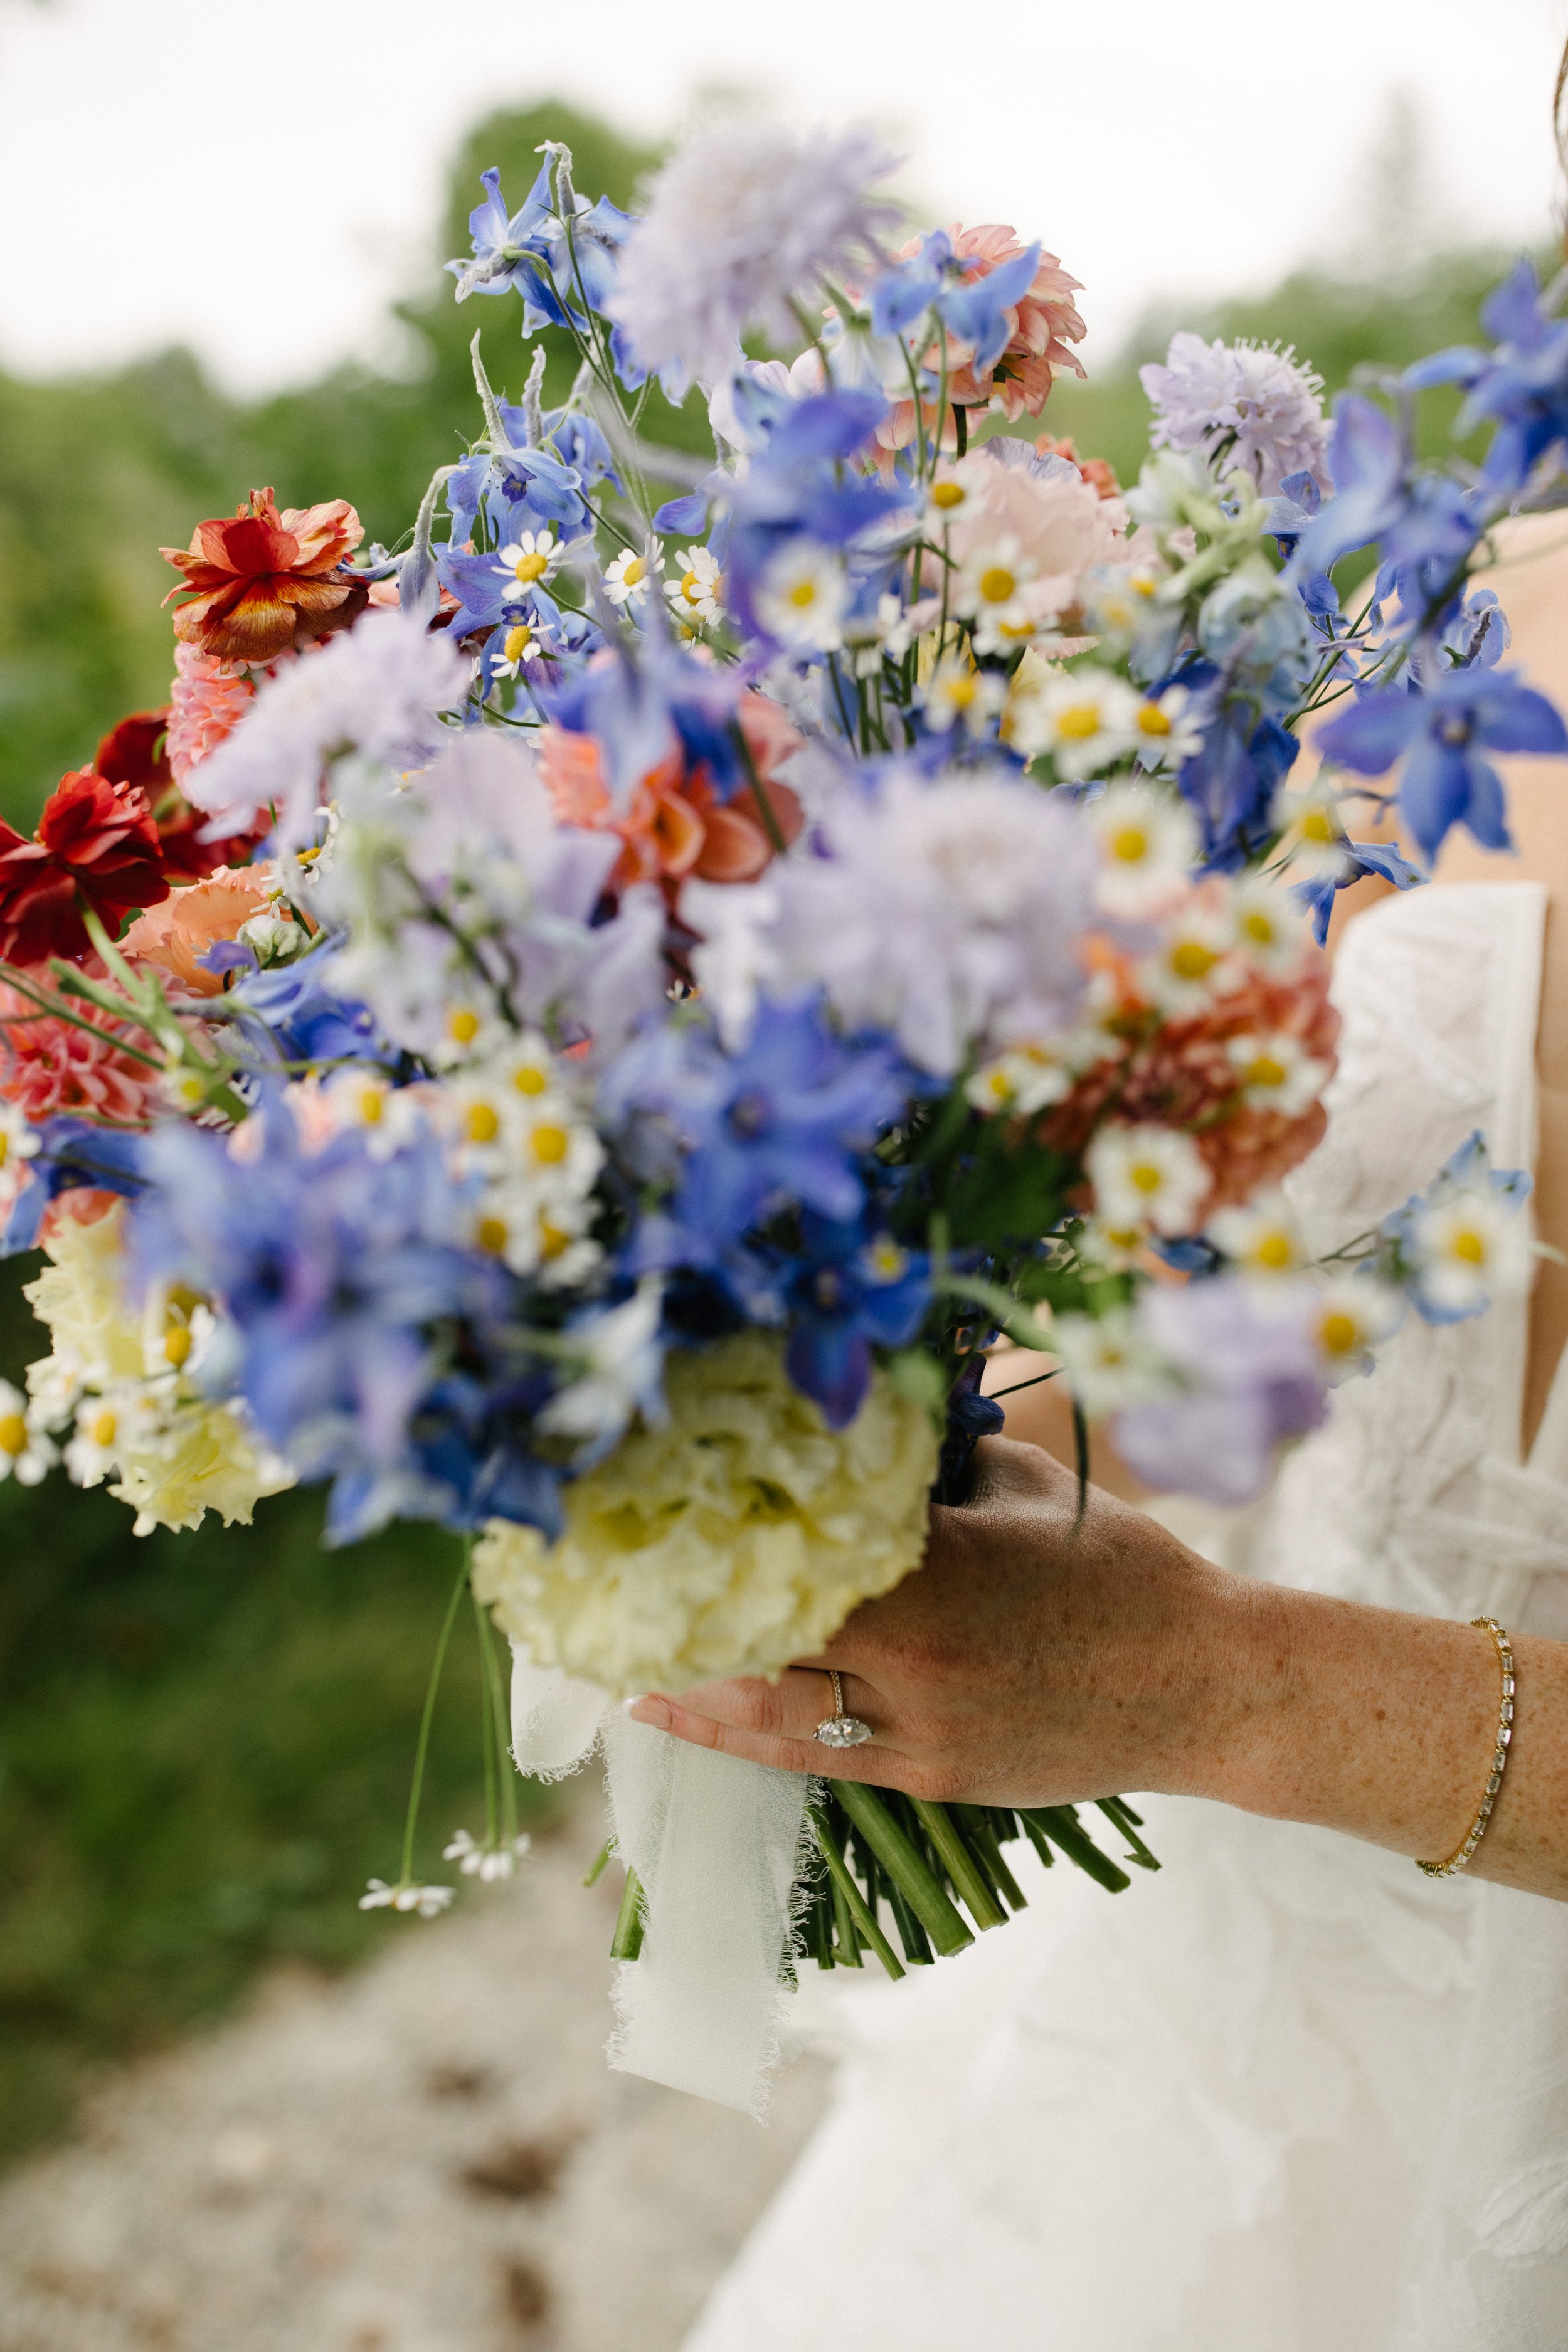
1107 1362
959 695
525 641
429 1902
486 1863
990 588
626 581
1148 842
1086 718
24 1448
803 598
1150 1176
1192 964
695 590
1263 1238
1167 735
1267 926
528 561
1466 1246
1277 1072
1350 1316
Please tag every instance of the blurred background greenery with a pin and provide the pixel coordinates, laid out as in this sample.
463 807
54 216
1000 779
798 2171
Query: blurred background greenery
204 1741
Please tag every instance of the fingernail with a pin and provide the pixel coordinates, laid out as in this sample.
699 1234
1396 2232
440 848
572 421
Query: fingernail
650 1710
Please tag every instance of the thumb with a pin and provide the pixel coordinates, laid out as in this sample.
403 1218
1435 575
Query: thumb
1007 1471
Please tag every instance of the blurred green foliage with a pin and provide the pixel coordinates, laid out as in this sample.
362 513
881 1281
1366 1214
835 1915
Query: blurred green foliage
204 1741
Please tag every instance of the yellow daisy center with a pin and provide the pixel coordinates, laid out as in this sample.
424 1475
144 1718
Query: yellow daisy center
550 1143
948 495
371 1106
803 596
491 1234
636 571
1339 1333
1130 842
1153 721
531 1079
13 1434
997 584
961 692
1275 1252
1259 928
552 1239
1190 959
462 1026
176 1344
1078 722
1266 1072
1317 825
483 1124
102 1429
517 640
531 566
1469 1245
1145 1177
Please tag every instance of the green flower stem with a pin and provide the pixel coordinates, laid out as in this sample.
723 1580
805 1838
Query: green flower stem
905 1866
1130 1823
911 1935
596 1867
1040 1842
848 1894
627 1941
987 1846
416 1790
969 1881
487 1726
1061 1824
846 1944
501 1725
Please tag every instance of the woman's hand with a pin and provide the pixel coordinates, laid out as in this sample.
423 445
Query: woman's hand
1032 1660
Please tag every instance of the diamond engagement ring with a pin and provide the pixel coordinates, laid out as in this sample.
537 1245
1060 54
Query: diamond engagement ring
842 1730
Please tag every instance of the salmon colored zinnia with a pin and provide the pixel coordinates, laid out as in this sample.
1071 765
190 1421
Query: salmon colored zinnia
675 824
259 581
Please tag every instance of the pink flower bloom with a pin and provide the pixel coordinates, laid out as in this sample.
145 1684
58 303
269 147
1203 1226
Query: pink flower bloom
206 702
49 1065
1045 326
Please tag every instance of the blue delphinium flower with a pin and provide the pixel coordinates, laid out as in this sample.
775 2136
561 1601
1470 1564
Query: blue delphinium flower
972 309
1425 523
799 486
1230 782
783 1122
71 1153
1522 384
516 490
292 1014
849 1289
1443 735
334 1270
510 252
1359 858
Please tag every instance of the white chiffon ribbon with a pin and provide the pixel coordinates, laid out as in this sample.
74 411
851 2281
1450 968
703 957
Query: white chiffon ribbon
715 1842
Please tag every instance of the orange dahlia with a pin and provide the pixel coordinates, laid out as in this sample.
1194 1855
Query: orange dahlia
258 583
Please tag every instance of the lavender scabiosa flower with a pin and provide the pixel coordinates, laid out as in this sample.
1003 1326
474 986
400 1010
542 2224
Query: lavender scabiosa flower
375 691
1246 1370
1251 405
946 913
747 219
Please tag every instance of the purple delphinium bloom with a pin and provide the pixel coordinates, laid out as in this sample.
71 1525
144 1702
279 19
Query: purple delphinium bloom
1425 523
849 1289
782 1122
1231 781
1253 1377
1443 735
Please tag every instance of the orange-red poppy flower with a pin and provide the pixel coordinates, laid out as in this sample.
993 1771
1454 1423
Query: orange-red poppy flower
259 581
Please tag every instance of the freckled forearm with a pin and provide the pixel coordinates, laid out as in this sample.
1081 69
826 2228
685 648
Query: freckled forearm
1382 1725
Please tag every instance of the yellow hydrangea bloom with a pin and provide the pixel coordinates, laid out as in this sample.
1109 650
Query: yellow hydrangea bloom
737 1538
197 1455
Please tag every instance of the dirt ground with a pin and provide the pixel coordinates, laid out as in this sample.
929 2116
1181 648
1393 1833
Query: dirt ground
430 2156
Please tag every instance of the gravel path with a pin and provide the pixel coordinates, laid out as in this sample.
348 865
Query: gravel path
430 2156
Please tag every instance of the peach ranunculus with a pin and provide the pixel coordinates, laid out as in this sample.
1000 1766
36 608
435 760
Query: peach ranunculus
175 937
258 583
675 824
1045 326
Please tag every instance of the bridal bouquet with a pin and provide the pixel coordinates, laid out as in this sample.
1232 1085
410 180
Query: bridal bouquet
589 1026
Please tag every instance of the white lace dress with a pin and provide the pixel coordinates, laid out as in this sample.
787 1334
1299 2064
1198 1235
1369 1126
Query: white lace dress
1289 2095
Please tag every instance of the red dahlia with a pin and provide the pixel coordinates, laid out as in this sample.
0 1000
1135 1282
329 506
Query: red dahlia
97 845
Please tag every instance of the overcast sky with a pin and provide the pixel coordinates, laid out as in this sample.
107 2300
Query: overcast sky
259 177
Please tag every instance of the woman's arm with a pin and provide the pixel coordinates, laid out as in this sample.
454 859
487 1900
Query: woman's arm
1031 1661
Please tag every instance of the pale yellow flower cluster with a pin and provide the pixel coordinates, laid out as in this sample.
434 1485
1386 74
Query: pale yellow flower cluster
177 1453
738 1536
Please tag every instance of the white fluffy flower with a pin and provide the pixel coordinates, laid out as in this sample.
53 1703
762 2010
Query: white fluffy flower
1147 1176
376 688
745 219
1246 404
947 912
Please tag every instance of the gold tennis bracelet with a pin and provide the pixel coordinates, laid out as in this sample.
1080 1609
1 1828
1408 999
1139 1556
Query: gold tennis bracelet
1499 1762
